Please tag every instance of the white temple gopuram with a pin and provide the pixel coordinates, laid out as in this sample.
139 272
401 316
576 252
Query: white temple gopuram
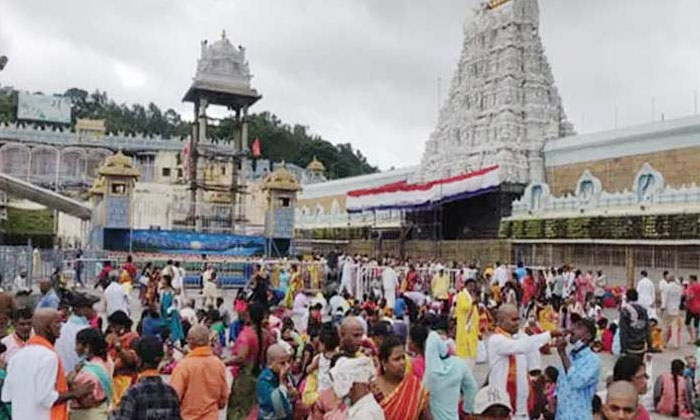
502 105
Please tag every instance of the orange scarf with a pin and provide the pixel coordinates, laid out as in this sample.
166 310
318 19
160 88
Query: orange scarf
512 381
58 411
202 351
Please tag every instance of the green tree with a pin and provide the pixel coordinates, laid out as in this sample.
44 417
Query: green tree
279 140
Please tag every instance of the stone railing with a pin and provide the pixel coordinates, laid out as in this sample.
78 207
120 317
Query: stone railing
649 192
386 218
63 138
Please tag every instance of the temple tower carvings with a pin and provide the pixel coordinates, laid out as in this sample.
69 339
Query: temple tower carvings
502 105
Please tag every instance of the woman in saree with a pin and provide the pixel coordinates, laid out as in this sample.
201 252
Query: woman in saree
247 362
546 316
152 288
401 395
95 368
144 281
119 342
296 283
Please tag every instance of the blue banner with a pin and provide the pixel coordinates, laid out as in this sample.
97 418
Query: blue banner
185 242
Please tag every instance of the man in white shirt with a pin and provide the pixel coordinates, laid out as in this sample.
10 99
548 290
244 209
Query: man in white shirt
500 274
188 313
116 298
20 282
647 294
390 281
338 305
505 347
569 281
77 321
36 383
671 298
662 287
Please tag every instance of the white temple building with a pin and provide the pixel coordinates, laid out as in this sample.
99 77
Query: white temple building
502 106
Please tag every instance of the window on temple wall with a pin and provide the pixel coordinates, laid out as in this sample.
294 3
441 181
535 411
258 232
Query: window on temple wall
14 159
284 202
44 163
118 188
72 164
165 172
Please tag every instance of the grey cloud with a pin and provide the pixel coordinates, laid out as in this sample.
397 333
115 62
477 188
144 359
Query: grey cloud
360 71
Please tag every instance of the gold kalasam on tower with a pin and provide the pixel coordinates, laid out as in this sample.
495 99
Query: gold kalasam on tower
495 3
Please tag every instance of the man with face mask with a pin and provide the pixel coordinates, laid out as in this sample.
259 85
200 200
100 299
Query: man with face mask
579 374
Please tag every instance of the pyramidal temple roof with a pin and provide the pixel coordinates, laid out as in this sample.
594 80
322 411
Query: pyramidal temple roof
502 105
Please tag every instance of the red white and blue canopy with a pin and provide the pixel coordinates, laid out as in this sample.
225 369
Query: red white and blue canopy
404 196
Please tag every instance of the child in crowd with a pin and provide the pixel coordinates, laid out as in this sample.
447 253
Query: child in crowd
217 335
691 364
597 345
608 337
657 337
550 386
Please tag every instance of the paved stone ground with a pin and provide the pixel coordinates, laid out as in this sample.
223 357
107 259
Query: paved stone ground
661 362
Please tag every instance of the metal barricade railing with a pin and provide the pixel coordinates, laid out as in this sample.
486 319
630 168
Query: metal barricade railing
366 277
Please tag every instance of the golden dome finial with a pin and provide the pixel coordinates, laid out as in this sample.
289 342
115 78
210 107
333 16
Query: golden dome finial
119 165
315 165
281 179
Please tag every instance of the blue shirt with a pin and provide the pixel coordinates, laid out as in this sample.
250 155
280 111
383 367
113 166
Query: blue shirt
49 300
152 326
399 307
520 272
447 378
273 398
576 388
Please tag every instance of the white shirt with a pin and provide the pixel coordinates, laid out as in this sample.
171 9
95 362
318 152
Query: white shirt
662 287
65 345
569 282
31 383
20 283
647 293
338 302
116 299
671 296
500 348
500 275
189 314
366 408
389 279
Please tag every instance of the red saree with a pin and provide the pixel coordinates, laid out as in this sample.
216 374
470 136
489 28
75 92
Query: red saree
407 401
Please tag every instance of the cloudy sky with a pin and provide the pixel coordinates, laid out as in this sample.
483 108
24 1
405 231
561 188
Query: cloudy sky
359 71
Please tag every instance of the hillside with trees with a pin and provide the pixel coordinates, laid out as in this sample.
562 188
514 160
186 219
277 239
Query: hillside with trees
279 140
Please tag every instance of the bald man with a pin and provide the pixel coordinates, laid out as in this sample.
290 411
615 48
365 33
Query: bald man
512 355
275 393
621 401
36 383
200 379
351 333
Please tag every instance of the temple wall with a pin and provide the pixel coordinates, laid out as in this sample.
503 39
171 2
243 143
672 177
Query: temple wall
482 251
679 166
